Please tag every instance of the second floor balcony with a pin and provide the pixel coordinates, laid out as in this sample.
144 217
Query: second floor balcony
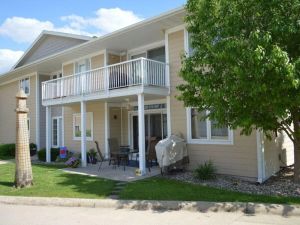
117 79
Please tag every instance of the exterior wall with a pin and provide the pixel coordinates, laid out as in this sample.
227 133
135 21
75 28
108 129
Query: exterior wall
239 159
7 111
97 61
68 69
97 108
49 46
113 58
278 152
115 120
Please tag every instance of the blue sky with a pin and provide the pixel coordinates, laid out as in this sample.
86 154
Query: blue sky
21 21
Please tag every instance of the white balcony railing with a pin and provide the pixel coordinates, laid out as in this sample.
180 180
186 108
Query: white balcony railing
135 72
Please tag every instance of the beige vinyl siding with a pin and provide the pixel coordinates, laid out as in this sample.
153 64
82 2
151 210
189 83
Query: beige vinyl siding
97 61
68 69
113 59
238 159
116 129
123 58
278 152
115 122
8 114
97 108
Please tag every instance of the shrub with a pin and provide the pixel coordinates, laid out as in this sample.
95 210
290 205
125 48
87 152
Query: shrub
7 150
206 171
42 154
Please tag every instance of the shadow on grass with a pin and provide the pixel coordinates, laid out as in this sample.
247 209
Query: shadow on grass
8 184
87 185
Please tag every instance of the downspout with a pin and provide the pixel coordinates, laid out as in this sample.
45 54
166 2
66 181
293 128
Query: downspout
261 175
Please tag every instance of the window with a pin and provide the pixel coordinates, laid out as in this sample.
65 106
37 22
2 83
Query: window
77 126
25 85
206 131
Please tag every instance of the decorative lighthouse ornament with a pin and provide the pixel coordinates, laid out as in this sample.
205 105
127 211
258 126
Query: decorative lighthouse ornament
23 175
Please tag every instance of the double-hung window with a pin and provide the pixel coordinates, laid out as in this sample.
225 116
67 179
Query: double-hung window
205 131
25 85
77 126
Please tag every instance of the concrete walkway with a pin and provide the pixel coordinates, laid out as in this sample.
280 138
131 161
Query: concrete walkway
49 215
113 173
3 162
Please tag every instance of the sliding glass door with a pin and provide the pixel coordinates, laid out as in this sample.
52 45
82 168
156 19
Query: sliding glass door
155 126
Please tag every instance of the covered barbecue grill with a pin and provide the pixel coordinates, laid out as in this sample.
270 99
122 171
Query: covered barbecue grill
172 154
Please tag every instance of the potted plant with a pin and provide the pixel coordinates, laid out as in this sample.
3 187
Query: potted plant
32 148
92 156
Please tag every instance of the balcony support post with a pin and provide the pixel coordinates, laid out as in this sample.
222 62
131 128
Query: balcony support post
141 120
48 134
83 133
106 129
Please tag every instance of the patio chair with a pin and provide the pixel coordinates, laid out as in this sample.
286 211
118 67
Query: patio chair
101 157
151 153
118 152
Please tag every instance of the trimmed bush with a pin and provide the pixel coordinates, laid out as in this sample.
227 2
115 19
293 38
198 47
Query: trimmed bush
7 150
42 154
207 171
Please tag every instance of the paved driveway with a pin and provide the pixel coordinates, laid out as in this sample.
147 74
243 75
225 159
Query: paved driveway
44 215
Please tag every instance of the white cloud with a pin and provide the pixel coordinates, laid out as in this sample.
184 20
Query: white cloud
8 58
25 30
106 20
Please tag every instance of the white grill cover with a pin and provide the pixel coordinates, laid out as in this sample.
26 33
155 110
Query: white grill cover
170 150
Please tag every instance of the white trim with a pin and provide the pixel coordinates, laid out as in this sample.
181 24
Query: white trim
186 42
261 169
92 126
21 80
208 140
175 29
37 111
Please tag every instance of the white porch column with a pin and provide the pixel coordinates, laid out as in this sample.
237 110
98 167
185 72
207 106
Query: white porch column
169 130
83 133
48 134
106 129
141 119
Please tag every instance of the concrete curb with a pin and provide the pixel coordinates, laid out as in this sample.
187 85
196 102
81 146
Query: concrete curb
199 206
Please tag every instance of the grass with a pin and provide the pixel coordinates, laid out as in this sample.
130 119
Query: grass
165 189
49 181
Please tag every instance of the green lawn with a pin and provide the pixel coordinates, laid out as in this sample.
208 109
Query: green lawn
49 181
165 189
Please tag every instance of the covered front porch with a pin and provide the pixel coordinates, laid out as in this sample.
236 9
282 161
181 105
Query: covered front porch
131 119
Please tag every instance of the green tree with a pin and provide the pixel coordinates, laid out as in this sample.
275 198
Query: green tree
245 65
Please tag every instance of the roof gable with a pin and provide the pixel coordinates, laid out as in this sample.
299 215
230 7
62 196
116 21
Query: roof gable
49 43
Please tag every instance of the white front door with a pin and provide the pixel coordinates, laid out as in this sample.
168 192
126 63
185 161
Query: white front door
56 132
